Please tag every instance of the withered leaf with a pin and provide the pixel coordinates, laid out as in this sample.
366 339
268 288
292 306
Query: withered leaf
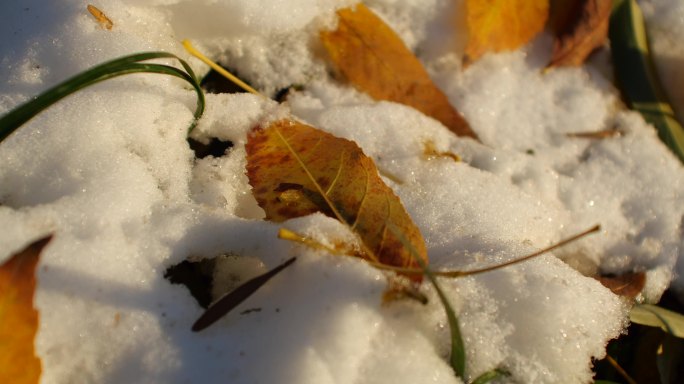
296 170
18 317
627 285
502 25
100 16
582 27
376 61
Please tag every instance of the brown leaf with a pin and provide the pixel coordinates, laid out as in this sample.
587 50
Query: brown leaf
376 61
502 25
628 285
580 32
18 318
296 170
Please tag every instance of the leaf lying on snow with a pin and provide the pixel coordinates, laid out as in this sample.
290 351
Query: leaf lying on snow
581 27
502 25
296 170
18 318
376 61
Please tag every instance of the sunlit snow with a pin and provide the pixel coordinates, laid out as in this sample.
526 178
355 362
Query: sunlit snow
110 173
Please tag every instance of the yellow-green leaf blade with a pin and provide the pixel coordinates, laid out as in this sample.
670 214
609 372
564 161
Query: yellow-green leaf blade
637 77
654 316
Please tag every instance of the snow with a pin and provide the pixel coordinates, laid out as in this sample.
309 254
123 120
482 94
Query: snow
109 171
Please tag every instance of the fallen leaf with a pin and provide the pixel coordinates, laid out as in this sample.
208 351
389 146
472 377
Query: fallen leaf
104 21
627 284
296 170
584 29
502 25
376 61
18 318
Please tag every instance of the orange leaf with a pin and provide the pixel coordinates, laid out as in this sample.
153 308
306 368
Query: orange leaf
582 27
18 318
502 25
376 61
296 170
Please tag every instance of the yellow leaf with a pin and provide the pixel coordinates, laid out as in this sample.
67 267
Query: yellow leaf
502 25
376 61
296 170
18 318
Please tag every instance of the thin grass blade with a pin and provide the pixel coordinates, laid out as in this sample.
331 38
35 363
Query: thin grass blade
117 67
457 359
490 376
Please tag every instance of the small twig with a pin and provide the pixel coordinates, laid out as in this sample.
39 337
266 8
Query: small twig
193 51
561 243
604 134
453 273
620 370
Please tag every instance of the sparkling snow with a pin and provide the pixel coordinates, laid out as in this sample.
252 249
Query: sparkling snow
109 172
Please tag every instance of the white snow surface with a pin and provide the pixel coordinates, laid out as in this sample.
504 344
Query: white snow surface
108 171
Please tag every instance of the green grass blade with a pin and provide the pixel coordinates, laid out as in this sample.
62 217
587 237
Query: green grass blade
117 67
490 376
636 74
457 359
